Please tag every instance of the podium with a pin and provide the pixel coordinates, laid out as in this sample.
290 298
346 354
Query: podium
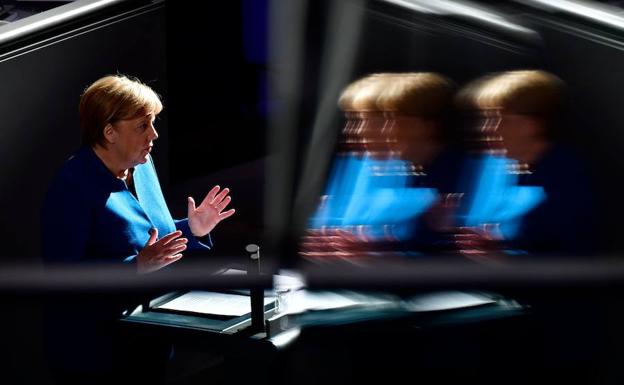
159 314
224 312
323 325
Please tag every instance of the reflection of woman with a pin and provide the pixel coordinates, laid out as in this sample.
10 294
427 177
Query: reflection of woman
531 194
106 205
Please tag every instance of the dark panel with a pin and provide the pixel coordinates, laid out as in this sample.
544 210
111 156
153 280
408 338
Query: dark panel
217 83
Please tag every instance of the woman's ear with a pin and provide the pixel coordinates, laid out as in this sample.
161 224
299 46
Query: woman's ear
110 134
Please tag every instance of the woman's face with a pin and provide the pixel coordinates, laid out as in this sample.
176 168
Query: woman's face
134 139
514 134
416 137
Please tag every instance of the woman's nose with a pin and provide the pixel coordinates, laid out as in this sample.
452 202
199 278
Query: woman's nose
154 134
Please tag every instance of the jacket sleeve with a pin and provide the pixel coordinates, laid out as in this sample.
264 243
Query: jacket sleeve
195 243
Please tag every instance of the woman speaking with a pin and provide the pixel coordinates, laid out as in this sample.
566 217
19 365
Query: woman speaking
106 205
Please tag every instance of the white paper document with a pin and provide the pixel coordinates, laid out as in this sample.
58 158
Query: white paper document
208 302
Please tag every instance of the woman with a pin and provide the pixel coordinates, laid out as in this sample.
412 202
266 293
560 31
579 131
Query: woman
106 205
525 192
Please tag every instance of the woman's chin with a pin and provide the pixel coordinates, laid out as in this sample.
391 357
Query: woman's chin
140 160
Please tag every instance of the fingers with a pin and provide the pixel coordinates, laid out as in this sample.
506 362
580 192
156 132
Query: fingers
153 236
159 263
171 259
223 204
313 233
220 197
177 242
169 237
211 194
226 214
175 249
163 252
191 204
467 230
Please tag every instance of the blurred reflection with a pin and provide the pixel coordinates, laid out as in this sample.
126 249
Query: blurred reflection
399 188
524 193
381 185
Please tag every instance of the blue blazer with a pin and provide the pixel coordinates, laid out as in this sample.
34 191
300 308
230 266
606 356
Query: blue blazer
89 215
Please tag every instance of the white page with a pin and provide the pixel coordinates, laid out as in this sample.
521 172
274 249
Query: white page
208 302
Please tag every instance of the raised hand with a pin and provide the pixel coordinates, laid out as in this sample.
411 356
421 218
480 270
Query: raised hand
481 244
159 253
334 243
203 218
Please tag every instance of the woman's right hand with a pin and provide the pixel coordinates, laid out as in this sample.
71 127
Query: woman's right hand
334 243
159 253
481 244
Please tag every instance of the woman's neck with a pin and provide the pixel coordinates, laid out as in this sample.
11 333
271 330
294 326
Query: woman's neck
118 170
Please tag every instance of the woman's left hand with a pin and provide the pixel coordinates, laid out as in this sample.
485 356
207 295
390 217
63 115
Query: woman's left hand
203 218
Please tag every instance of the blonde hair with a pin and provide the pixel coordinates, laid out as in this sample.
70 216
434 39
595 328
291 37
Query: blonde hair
113 98
417 93
536 93
361 95
466 99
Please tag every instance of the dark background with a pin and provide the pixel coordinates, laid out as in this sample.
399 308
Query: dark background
213 67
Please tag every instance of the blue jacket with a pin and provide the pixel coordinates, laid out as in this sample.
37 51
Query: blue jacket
89 215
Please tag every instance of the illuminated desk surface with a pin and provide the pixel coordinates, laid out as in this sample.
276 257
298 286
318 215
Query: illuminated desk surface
334 308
